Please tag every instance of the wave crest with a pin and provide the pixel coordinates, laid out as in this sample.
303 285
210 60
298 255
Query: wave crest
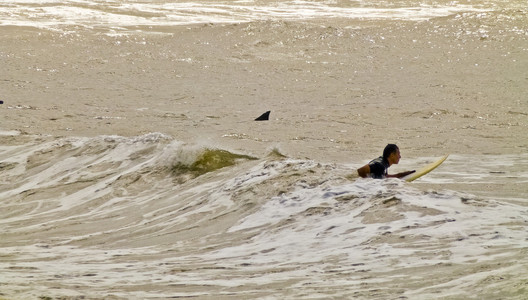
209 160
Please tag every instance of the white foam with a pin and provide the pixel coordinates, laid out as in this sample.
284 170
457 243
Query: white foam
292 222
92 14
9 132
457 226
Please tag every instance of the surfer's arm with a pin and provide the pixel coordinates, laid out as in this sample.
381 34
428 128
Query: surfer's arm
364 171
401 175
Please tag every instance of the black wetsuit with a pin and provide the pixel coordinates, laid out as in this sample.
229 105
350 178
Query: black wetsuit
378 167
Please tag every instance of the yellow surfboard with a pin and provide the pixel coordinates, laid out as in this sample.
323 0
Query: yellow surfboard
425 169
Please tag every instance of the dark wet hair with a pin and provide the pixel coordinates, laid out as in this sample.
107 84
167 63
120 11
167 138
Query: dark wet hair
389 149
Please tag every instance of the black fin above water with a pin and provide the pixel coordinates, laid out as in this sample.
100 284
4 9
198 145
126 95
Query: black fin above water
264 116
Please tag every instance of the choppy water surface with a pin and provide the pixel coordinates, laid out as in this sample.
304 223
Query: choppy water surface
156 217
114 217
119 14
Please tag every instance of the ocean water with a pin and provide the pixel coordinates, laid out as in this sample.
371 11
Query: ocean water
115 217
118 15
155 216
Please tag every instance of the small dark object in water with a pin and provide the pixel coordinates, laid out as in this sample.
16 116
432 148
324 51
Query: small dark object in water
1 102
264 116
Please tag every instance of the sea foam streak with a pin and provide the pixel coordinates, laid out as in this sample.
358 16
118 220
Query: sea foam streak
108 216
117 15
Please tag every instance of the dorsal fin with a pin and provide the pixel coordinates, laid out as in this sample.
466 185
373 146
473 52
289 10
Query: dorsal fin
264 116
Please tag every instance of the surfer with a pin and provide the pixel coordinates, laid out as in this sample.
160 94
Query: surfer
377 168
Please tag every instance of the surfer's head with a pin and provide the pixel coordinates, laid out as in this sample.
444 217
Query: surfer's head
392 154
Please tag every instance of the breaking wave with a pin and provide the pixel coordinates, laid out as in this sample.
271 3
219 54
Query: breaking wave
119 15
150 217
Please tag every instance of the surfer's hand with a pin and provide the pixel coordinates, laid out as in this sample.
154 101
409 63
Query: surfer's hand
403 174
